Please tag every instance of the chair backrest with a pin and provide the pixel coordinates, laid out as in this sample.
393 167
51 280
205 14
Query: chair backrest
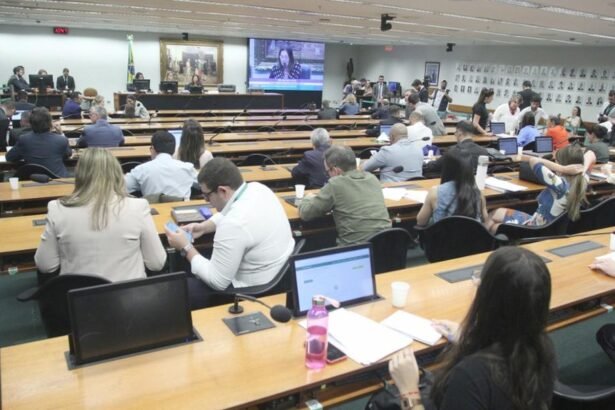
25 171
162 198
367 152
128 166
257 159
390 248
599 216
448 238
304 127
605 336
52 300
517 232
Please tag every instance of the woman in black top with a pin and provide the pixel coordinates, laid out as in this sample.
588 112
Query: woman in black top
502 357
480 115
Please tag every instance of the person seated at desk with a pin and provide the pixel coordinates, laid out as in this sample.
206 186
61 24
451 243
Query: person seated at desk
349 105
252 236
501 343
163 175
17 80
430 115
418 132
42 146
354 197
72 106
326 112
527 130
558 134
194 82
131 87
597 148
401 153
575 121
100 133
392 117
24 128
310 171
135 108
382 111
564 192
98 229
65 82
465 146
457 194
508 113
535 108
22 103
192 145
7 109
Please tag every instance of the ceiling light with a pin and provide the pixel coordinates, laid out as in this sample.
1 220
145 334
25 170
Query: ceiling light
458 16
562 10
519 3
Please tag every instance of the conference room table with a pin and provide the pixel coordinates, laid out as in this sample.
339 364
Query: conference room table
123 121
224 371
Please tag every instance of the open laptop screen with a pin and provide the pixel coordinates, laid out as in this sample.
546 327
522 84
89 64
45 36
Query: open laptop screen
508 145
544 145
345 274
498 128
178 137
127 317
385 129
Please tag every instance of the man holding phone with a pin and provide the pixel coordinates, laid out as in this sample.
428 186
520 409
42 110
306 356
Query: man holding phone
252 236
441 98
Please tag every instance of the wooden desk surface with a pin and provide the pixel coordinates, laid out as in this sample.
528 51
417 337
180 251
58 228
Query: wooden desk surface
244 117
224 371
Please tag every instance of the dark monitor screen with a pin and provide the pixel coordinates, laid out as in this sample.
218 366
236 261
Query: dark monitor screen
195 89
41 81
141 84
126 317
168 87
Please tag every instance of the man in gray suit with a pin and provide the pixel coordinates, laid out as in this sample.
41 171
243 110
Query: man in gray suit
430 115
100 133
380 90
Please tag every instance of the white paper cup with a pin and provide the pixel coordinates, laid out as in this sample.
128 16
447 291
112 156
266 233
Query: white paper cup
612 241
399 291
299 191
519 150
503 152
358 162
14 182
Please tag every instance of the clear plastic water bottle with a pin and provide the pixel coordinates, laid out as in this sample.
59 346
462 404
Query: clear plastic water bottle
317 326
481 171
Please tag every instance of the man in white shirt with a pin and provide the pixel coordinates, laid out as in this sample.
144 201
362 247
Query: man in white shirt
607 107
252 236
508 113
539 113
430 116
418 132
163 175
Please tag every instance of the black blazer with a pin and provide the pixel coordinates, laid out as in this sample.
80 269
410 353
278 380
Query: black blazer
61 83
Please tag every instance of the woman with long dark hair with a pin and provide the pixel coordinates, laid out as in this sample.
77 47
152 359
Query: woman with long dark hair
457 193
480 114
287 68
501 357
192 145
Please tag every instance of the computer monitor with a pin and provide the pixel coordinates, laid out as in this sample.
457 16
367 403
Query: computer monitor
16 118
168 87
141 85
127 317
508 145
177 134
195 89
385 129
395 88
42 82
544 145
345 274
498 128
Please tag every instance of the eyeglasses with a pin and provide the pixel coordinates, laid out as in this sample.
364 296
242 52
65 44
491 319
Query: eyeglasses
206 195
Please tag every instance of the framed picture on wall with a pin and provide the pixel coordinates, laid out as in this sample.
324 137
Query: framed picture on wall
432 70
182 59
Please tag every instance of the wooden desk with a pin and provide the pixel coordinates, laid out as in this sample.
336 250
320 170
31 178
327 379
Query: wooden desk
225 371
237 117
213 101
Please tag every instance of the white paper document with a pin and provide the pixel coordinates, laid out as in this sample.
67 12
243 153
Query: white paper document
413 326
2 158
503 186
363 340
416 195
396 194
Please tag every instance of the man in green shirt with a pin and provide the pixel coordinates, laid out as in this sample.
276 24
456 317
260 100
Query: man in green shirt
353 197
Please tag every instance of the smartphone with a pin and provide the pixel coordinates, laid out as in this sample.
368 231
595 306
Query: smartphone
171 226
334 354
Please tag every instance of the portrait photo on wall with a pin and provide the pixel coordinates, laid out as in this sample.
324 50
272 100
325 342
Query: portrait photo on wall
180 60
432 70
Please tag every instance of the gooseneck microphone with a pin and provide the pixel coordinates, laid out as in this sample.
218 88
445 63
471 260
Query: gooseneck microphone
278 313
43 179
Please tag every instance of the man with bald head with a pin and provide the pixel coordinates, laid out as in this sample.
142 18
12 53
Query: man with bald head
401 160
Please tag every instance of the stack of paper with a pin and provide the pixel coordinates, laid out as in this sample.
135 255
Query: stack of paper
503 186
394 194
416 195
413 326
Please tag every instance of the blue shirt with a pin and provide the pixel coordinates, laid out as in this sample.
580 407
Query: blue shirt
71 110
526 135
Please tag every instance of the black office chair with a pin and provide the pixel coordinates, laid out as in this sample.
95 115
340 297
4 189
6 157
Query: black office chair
126 132
599 216
605 336
455 236
304 127
530 146
221 130
416 178
523 233
265 129
342 127
257 159
367 152
52 301
25 171
572 397
128 166
390 248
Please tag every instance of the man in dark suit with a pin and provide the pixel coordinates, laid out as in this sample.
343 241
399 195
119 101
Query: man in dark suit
23 129
327 113
65 82
380 90
17 81
310 170
527 94
7 109
42 146
389 117
22 103
100 133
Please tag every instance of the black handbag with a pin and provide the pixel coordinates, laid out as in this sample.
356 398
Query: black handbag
388 398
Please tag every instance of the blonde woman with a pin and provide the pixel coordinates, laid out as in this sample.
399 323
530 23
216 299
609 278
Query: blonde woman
98 229
349 105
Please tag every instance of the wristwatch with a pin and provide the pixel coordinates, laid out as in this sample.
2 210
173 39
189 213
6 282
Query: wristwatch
184 251
411 401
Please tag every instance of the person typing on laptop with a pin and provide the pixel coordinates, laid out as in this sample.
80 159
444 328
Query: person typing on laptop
527 130
557 132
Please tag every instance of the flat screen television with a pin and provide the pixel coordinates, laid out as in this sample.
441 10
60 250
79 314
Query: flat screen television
285 65
42 82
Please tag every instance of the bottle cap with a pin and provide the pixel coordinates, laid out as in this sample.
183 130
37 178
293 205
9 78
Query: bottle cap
318 300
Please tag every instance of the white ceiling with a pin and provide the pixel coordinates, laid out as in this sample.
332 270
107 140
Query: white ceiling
424 22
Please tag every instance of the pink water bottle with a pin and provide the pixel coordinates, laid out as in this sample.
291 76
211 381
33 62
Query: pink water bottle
317 325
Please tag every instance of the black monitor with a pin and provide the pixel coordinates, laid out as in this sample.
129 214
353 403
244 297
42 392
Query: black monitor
395 88
141 85
127 317
42 82
195 89
168 87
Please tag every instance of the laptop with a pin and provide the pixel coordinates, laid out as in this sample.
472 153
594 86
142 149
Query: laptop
345 274
385 129
16 119
127 317
499 129
508 145
543 146
177 134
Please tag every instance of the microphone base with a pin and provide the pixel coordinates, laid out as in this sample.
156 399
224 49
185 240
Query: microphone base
253 322
235 309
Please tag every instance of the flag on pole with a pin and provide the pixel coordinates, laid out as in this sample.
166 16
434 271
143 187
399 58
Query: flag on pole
131 61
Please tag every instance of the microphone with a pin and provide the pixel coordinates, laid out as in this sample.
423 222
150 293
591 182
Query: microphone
398 169
44 178
210 141
243 111
278 313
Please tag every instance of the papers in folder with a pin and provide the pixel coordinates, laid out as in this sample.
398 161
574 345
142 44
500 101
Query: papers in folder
362 339
413 326
2 158
503 186
396 194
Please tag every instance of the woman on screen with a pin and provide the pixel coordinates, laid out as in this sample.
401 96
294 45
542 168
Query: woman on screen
287 68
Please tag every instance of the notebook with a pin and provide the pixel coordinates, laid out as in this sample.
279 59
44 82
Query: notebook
345 274
498 128
508 145
543 146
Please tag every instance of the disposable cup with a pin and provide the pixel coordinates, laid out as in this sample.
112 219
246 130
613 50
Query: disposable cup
399 291
14 182
299 191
